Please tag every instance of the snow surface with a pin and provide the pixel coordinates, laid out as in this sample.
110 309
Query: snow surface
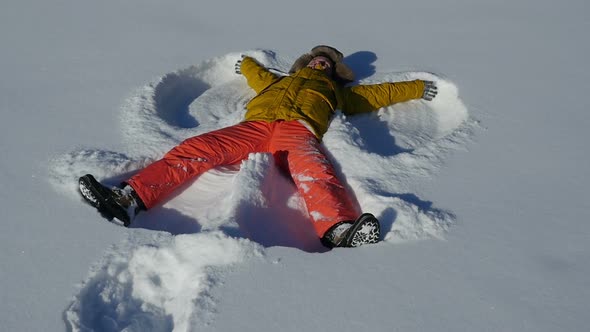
481 193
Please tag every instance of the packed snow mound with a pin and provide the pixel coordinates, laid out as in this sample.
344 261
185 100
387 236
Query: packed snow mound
231 213
156 283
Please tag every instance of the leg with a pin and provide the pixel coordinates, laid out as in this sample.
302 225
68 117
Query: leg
327 200
195 156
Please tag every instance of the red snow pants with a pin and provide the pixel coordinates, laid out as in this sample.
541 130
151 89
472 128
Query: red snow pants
294 147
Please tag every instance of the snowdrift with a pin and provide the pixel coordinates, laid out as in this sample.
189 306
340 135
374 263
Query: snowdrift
160 280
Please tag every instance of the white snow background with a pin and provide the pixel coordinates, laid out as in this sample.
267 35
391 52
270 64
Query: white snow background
482 193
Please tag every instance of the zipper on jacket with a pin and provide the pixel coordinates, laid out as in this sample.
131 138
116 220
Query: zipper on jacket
276 107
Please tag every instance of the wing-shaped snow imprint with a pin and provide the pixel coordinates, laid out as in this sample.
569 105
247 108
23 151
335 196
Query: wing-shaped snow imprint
160 280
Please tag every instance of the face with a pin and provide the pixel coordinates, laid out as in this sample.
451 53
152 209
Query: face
321 63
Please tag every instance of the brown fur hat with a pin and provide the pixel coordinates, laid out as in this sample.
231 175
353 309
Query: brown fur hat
342 73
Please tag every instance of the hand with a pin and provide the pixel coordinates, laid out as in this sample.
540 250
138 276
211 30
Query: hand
238 66
430 90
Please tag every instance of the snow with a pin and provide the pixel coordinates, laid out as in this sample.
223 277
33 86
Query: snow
481 193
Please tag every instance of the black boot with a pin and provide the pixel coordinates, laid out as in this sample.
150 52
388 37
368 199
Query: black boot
364 230
122 204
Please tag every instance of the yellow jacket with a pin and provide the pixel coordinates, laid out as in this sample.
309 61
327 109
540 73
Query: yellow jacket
312 96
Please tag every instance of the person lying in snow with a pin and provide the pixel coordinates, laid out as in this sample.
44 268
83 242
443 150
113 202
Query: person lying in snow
287 118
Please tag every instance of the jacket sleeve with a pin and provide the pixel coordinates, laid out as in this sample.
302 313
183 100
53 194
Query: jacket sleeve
368 98
258 76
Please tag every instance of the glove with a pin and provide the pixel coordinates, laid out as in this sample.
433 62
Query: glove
238 66
430 90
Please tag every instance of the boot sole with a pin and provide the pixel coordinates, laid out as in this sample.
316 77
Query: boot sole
365 230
